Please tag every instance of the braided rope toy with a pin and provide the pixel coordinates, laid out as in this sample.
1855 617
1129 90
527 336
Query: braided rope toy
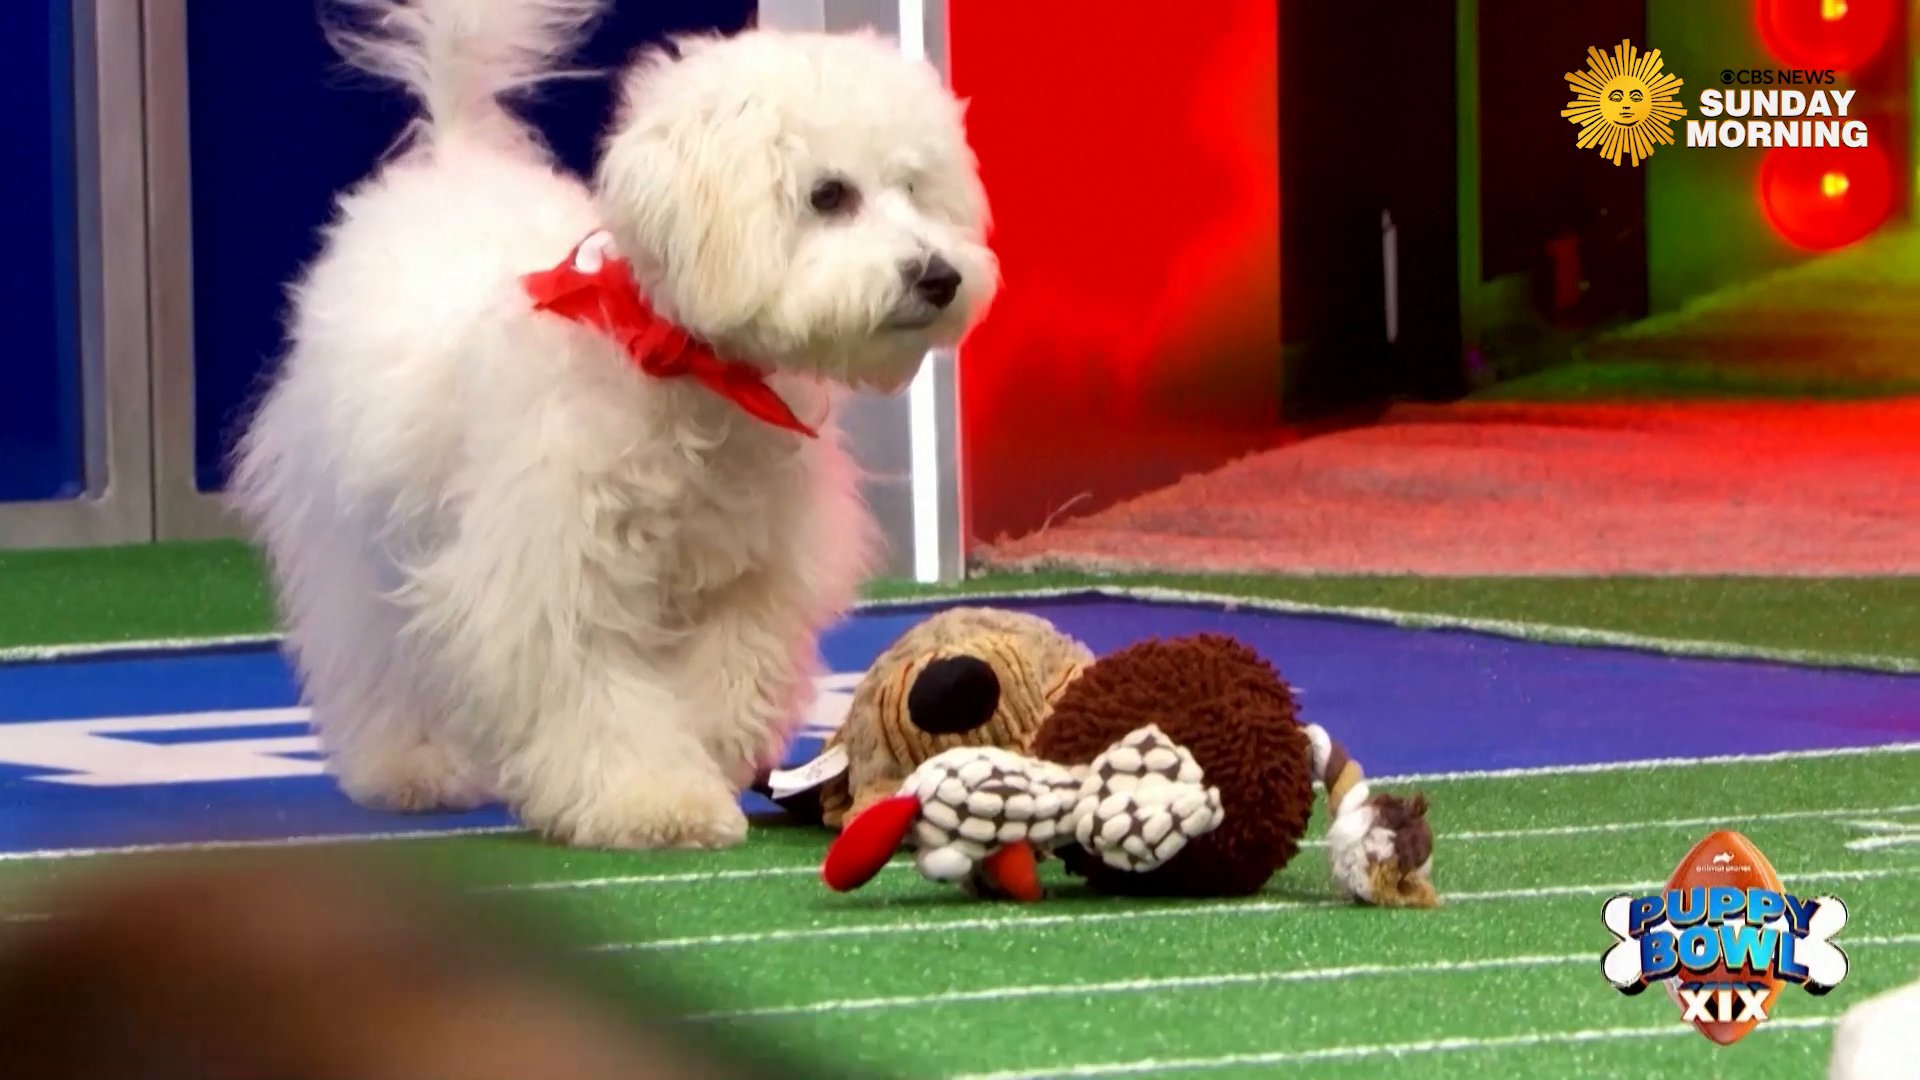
980 816
1379 846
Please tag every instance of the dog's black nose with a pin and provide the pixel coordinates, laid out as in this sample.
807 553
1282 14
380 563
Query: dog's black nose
953 695
938 282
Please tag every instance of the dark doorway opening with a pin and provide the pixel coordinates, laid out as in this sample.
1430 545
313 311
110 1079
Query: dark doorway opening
1369 228
1563 238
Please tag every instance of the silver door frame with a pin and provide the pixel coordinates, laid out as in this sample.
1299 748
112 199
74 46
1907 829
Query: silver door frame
181 510
116 504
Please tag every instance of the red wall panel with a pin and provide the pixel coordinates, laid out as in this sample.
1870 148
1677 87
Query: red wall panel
1131 150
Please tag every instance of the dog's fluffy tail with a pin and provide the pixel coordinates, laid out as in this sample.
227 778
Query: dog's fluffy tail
458 58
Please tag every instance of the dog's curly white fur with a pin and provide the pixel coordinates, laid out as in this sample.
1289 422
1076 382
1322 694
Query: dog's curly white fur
510 564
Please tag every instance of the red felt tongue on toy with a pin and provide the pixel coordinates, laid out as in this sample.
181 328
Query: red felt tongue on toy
1013 871
867 842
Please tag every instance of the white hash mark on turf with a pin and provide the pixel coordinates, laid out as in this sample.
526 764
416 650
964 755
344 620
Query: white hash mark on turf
1186 982
1887 834
1186 911
1160 1066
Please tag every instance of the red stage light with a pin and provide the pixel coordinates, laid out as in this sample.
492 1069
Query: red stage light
1821 198
1822 34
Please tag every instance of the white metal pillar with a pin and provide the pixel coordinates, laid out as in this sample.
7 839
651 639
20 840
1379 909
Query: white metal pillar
910 447
181 510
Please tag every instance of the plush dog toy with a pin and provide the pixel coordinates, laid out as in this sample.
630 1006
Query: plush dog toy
1169 768
966 677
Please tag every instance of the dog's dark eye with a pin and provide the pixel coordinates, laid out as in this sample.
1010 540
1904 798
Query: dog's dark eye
833 197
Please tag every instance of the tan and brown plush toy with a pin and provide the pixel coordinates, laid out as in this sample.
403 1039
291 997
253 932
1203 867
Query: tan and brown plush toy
1170 768
964 677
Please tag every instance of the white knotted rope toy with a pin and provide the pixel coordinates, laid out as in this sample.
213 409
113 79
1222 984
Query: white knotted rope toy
979 816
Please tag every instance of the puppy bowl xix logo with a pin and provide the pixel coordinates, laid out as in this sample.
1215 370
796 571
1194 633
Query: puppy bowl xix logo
1624 103
1724 938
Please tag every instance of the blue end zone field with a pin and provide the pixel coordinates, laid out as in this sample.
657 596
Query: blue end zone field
204 746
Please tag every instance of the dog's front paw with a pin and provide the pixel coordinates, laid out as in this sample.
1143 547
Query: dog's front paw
422 777
649 813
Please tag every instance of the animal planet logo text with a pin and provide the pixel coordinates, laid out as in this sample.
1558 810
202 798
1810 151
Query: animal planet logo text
1723 952
1624 107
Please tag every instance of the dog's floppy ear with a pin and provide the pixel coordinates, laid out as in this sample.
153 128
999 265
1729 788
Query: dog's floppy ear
702 190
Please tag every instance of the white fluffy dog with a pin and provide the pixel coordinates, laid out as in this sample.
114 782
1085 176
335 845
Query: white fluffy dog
526 556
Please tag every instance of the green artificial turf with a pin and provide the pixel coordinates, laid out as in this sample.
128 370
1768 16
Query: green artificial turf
216 589
1867 617
1833 327
139 592
1682 380
912 979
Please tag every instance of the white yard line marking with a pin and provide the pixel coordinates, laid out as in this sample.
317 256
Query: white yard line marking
1547 633
1162 1066
1189 911
1524 630
1650 763
691 877
700 877
1131 986
1669 823
1550 633
1188 982
1411 778
225 845
16 653
941 926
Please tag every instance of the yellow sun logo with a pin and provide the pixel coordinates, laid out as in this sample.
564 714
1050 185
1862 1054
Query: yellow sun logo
1623 104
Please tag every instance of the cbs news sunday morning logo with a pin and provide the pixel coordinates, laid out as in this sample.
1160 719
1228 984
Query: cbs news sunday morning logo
1724 937
1625 105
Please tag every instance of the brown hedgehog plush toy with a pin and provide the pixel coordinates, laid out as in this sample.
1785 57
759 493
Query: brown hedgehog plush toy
1170 768
1218 699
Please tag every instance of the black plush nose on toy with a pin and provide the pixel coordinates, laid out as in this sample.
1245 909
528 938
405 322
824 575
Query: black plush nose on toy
953 695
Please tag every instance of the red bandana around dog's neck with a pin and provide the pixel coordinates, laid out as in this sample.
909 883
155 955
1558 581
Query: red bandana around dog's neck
596 286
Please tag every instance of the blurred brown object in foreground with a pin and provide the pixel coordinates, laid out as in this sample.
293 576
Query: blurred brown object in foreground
308 969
